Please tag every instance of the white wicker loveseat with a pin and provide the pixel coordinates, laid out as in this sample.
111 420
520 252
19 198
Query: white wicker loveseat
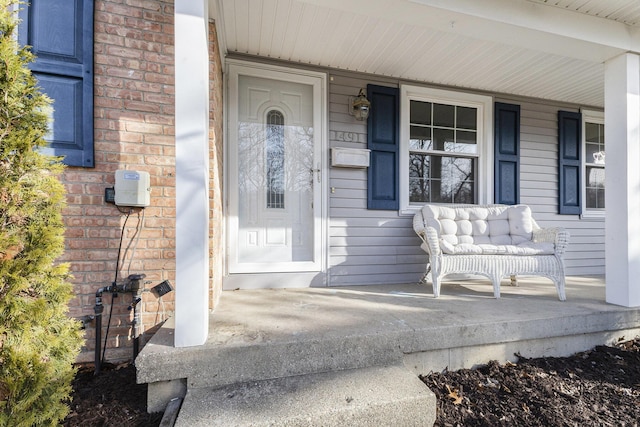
493 241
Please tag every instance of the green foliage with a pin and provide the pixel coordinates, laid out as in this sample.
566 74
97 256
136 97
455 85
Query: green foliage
38 341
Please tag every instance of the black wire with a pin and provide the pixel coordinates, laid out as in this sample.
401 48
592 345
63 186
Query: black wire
106 335
115 284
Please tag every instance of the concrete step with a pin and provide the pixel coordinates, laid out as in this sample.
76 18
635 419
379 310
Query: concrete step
375 396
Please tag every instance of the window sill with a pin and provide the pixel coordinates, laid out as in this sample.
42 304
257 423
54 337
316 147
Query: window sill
593 215
409 210
413 209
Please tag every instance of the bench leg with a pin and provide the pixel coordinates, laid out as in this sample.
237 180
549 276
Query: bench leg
435 280
425 276
495 280
435 267
560 288
496 288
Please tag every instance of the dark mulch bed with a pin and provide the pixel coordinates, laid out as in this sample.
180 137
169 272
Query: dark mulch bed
111 398
600 387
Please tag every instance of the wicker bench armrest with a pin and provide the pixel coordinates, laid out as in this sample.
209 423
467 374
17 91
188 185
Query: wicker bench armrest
556 235
418 224
428 235
431 238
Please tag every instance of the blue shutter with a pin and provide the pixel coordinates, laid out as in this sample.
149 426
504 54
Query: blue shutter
507 154
383 139
569 149
61 36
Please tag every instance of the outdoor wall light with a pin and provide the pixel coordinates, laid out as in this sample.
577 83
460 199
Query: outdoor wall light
360 106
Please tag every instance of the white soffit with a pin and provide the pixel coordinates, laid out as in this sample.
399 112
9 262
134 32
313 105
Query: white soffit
624 11
528 48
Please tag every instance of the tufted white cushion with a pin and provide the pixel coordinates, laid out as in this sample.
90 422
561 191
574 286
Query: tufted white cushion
485 230
494 241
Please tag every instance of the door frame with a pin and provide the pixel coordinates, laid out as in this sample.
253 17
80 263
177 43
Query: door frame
318 80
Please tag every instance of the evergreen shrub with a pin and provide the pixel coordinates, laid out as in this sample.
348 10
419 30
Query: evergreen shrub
39 342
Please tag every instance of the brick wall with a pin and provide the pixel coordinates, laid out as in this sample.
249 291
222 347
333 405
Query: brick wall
134 129
216 157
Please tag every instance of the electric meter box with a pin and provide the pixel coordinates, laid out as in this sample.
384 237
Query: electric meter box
132 188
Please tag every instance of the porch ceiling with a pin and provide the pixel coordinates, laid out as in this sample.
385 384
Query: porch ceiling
625 11
550 49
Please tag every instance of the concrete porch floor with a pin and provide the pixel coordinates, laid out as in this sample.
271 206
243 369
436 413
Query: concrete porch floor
262 335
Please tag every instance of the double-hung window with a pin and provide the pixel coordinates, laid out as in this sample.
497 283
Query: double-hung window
594 163
444 147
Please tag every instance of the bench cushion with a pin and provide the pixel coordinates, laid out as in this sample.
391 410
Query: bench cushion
485 230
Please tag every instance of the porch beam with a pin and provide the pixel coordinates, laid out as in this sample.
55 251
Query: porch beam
546 19
192 172
521 24
622 196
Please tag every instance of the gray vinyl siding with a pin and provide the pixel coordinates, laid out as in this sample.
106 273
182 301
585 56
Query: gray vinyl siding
374 246
539 187
365 246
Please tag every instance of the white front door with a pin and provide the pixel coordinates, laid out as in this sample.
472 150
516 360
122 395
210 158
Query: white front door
275 170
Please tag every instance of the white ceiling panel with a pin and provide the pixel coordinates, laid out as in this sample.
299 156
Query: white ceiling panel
433 42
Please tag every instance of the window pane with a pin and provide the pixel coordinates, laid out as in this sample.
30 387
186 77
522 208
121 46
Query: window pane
466 118
594 143
591 132
594 153
420 112
466 142
600 198
440 179
458 179
444 115
589 150
420 138
443 140
275 160
595 198
464 194
418 178
595 187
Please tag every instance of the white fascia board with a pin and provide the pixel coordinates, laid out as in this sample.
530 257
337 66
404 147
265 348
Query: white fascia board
509 22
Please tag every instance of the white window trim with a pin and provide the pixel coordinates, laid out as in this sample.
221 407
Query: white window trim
590 116
484 105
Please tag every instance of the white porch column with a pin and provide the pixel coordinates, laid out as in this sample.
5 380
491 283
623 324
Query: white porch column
622 139
192 172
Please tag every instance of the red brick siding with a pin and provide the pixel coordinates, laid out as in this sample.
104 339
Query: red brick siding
134 129
216 170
